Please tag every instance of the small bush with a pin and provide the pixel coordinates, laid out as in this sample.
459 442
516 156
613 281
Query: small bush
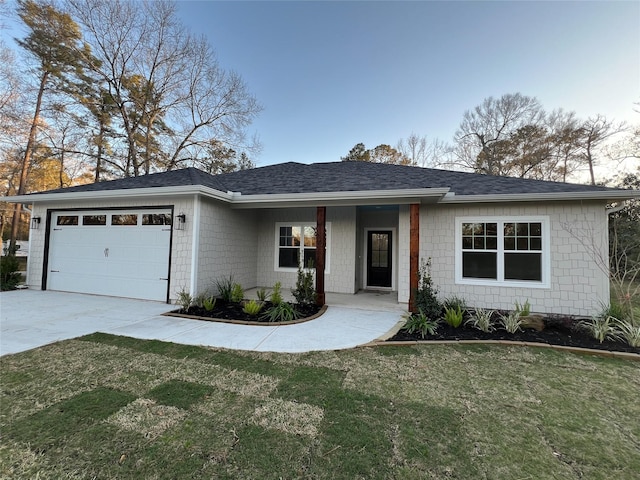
237 293
252 307
615 310
453 316
481 319
276 294
304 293
601 327
209 303
426 300
455 302
9 275
184 299
421 324
511 322
262 294
523 310
225 288
281 312
628 332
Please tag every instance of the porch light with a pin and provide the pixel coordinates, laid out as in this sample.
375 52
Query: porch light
35 223
181 220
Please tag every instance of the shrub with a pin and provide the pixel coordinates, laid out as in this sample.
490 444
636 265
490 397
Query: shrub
184 299
225 288
523 310
262 294
426 300
510 322
276 295
237 293
252 307
9 275
615 310
628 332
209 303
420 323
601 327
481 319
455 302
453 316
281 312
304 293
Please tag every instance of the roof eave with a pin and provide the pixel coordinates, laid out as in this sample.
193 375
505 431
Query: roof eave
121 193
537 197
346 198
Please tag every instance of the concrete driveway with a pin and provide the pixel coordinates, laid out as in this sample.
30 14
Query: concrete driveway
31 318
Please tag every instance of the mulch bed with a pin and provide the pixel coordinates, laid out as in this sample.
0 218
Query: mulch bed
558 331
233 311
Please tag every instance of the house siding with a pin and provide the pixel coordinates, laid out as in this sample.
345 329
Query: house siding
228 246
180 268
579 248
342 258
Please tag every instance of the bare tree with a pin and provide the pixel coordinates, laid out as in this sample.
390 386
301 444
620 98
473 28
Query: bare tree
169 93
594 132
480 136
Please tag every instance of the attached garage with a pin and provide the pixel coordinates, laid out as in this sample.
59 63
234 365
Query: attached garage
122 253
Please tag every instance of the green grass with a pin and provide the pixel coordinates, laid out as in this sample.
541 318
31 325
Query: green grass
111 407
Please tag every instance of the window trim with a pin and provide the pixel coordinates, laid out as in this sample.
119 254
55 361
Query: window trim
276 265
545 260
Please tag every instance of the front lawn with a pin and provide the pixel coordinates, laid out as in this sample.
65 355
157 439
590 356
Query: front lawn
113 407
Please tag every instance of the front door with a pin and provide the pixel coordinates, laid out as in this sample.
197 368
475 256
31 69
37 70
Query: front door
379 258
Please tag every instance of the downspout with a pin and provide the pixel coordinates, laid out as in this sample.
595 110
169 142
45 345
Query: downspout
24 207
195 245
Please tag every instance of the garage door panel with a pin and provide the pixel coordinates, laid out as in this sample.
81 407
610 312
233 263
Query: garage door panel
117 260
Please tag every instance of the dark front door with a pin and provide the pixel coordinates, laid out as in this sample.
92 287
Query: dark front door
379 258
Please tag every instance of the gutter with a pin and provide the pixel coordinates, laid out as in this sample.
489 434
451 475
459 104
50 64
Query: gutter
533 197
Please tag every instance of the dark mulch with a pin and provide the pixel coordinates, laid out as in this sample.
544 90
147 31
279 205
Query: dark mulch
558 331
233 311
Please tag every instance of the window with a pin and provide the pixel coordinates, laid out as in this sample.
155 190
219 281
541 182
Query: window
504 251
124 219
94 219
296 245
156 219
67 220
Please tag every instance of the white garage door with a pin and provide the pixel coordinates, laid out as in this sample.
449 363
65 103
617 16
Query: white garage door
122 253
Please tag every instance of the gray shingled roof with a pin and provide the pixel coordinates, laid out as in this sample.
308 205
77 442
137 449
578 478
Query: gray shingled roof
292 177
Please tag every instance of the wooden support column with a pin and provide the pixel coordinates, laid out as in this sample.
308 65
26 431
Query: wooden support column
321 253
414 253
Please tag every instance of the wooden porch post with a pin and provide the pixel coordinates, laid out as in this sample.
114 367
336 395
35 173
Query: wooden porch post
321 249
414 253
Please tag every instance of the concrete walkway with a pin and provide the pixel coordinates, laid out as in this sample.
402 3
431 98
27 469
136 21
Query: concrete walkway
31 318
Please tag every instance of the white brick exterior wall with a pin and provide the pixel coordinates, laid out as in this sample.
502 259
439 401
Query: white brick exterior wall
242 243
579 284
228 245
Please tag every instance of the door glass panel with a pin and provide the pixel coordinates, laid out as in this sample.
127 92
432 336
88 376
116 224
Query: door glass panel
67 220
156 219
126 219
94 219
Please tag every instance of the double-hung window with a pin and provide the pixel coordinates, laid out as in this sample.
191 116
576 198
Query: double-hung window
296 246
506 251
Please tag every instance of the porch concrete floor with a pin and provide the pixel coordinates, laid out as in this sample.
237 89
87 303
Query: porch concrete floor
32 318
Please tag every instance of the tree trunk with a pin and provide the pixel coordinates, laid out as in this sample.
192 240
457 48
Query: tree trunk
15 222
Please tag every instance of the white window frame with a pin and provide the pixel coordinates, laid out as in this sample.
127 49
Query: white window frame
545 260
276 255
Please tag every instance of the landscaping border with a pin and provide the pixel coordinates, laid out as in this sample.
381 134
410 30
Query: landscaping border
174 313
564 348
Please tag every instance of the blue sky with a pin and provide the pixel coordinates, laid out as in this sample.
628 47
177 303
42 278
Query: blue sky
332 74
